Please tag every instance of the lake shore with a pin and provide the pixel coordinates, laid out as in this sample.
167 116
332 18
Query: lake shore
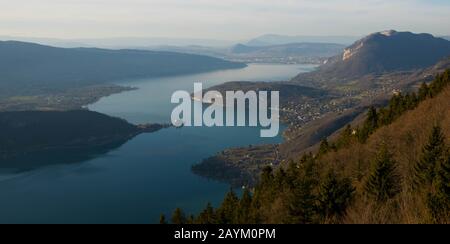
72 99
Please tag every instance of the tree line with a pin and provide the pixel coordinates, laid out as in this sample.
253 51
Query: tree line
302 193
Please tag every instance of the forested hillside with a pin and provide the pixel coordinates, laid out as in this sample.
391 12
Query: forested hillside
21 132
392 168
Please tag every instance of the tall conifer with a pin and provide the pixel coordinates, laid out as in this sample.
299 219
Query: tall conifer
383 182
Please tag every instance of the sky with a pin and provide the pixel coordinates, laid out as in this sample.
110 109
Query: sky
219 19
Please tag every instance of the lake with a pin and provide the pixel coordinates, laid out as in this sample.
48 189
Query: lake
144 177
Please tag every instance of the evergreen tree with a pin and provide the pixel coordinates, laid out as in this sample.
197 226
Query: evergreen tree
372 119
267 176
190 220
409 102
208 216
280 177
334 197
437 85
412 101
385 116
162 219
383 182
226 214
178 217
443 179
432 154
324 147
424 92
244 210
300 201
439 199
264 193
396 107
370 125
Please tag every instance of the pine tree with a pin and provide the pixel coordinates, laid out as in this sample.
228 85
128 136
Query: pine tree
334 197
395 107
190 220
439 199
324 147
226 214
443 179
437 85
178 217
370 125
432 154
372 119
244 210
424 92
411 101
162 219
263 194
208 216
300 201
383 182
266 176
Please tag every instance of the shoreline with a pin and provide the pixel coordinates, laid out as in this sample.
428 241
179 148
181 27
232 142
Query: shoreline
72 99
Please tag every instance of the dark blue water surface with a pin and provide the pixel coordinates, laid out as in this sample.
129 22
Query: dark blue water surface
144 177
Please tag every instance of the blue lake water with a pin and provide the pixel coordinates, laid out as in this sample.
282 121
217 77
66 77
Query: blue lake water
146 176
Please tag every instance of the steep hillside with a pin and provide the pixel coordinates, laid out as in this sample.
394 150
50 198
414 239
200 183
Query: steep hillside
392 168
380 53
406 139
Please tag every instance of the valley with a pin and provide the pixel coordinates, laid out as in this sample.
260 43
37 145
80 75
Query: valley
33 70
193 114
287 53
159 163
316 104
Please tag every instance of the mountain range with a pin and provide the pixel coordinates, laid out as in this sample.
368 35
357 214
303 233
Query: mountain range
120 42
28 69
291 49
271 39
382 52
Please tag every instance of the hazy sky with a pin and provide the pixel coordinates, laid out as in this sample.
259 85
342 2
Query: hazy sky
219 19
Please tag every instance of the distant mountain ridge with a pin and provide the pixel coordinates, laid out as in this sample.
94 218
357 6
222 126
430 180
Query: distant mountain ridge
27 68
291 49
381 52
119 42
271 39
